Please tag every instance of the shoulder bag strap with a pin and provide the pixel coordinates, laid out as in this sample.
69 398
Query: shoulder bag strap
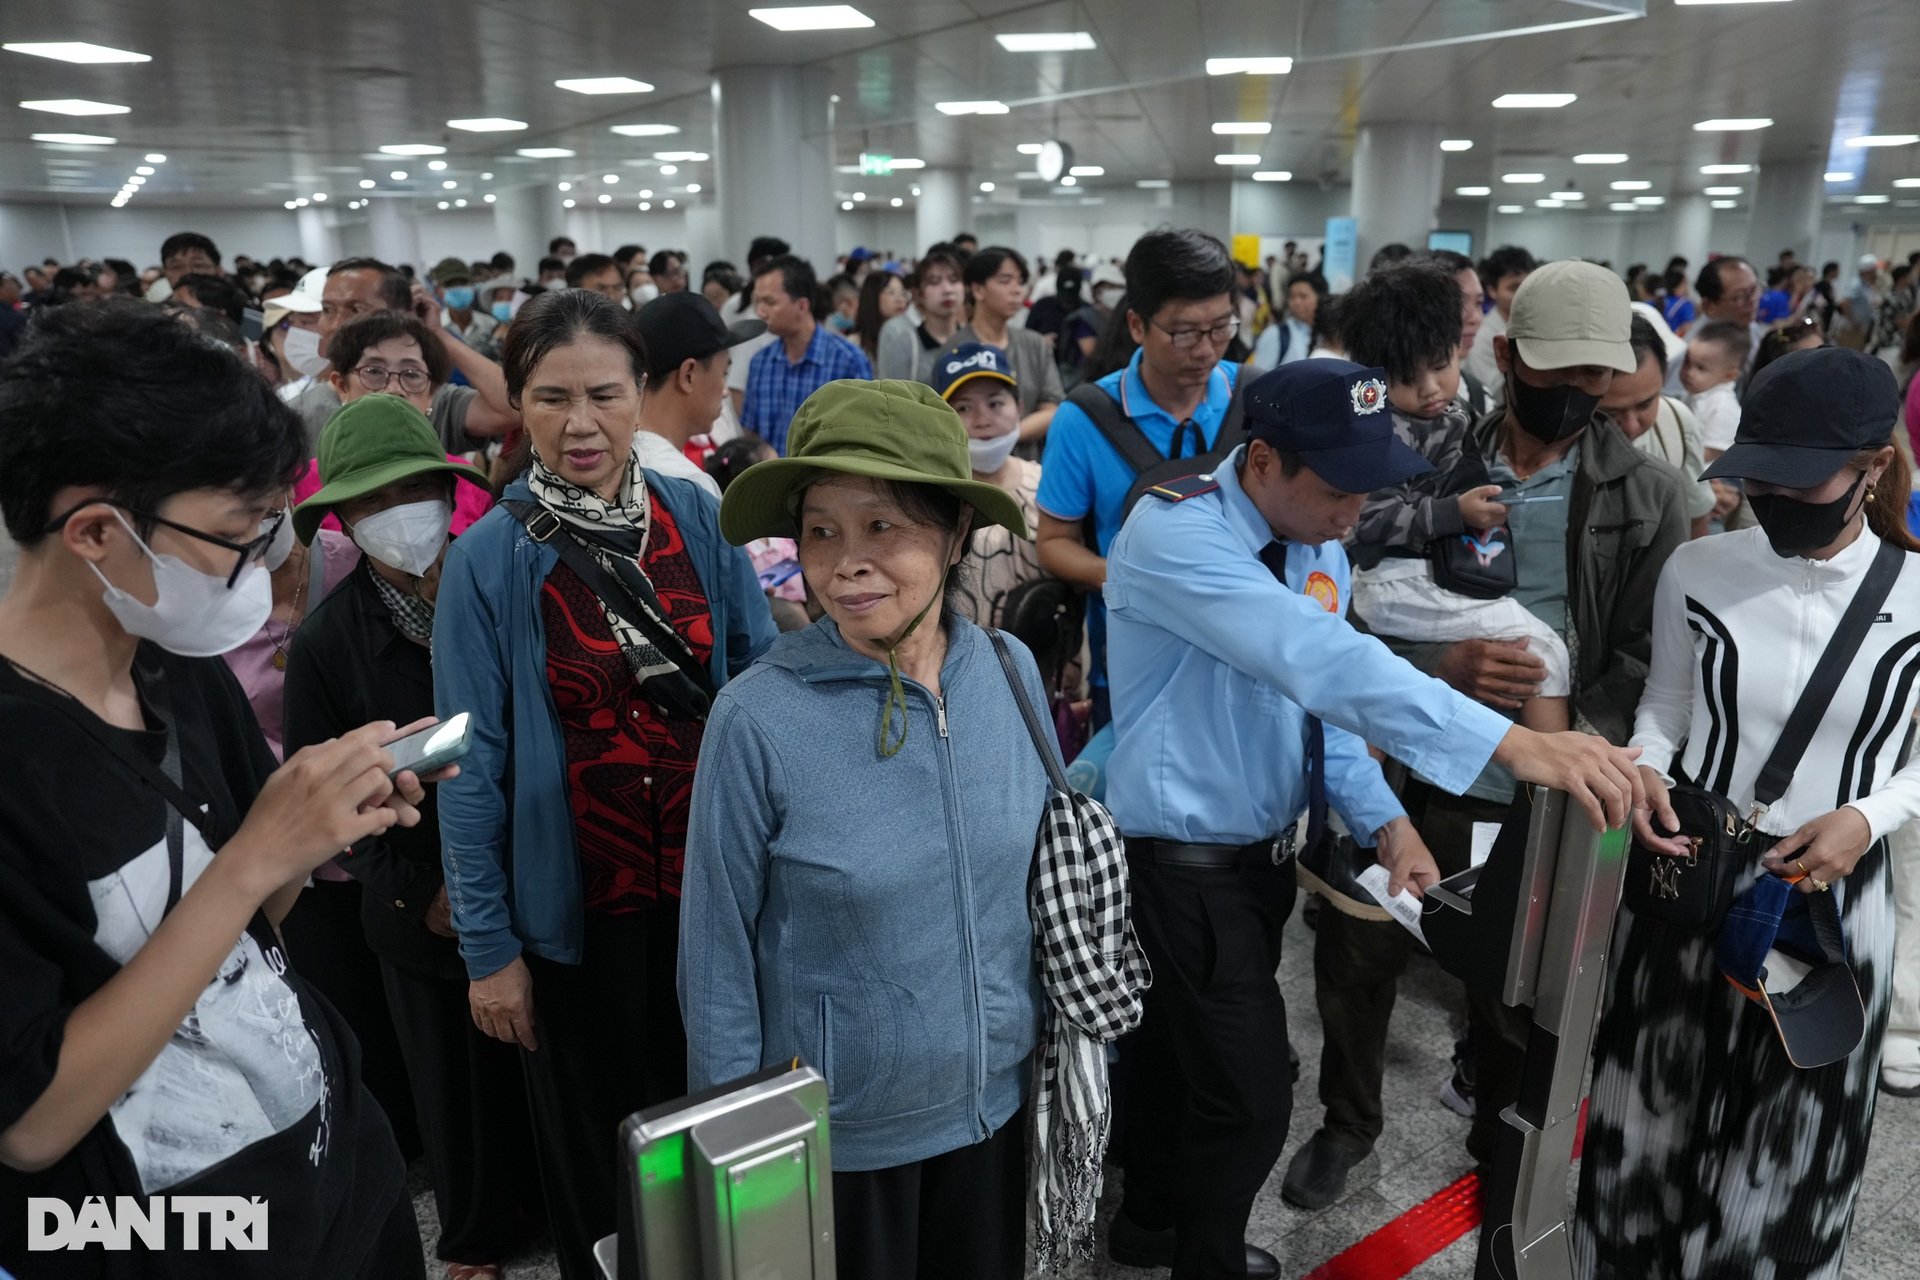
1122 432
612 590
1839 654
1048 756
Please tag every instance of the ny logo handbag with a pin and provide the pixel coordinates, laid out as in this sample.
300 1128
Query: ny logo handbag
1694 892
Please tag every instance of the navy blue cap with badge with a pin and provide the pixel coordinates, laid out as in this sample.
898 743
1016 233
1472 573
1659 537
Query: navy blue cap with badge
956 366
1333 414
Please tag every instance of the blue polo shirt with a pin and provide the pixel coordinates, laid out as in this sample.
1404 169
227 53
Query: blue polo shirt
1080 472
776 387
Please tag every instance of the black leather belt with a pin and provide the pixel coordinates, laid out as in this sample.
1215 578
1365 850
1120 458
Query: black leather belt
1271 852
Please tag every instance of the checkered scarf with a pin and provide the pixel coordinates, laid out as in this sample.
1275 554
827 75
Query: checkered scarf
1094 974
412 617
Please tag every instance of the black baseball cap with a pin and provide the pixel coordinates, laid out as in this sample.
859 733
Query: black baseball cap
1805 415
682 326
1334 415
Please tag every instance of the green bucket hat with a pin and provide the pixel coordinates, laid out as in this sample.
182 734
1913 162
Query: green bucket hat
885 430
367 446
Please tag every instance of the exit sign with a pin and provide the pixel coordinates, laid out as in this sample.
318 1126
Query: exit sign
875 164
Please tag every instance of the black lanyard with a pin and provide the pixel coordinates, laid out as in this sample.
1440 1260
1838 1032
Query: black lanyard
166 777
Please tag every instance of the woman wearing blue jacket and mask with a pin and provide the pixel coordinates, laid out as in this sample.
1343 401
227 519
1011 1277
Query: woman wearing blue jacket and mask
584 624
863 824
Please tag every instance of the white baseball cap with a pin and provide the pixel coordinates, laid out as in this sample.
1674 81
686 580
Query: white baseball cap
304 298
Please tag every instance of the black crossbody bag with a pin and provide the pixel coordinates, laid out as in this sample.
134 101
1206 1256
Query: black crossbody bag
1693 893
619 594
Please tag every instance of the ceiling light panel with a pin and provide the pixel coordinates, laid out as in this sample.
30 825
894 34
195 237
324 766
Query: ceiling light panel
1046 42
76 51
814 17
1249 66
604 84
76 107
1456 144
76 139
488 124
1513 101
1250 128
1744 124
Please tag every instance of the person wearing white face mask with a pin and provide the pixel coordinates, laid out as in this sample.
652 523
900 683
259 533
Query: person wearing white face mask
153 1036
977 380
392 951
292 323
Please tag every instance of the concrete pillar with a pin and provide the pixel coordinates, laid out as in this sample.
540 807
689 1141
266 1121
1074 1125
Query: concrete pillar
524 219
396 240
1691 232
1786 204
773 144
1396 185
945 208
319 238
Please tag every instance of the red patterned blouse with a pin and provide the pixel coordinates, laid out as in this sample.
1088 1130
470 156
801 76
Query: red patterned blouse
629 769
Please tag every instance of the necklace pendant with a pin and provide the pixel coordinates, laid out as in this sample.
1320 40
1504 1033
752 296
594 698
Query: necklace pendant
279 660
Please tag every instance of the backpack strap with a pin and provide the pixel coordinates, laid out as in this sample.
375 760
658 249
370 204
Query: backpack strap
1120 431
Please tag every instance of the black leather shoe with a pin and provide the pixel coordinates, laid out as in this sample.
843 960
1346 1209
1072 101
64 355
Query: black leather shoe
1131 1245
1317 1174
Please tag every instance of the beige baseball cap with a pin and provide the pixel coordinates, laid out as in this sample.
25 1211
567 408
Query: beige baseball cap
1572 313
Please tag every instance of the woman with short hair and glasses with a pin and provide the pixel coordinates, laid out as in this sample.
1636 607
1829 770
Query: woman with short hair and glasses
395 354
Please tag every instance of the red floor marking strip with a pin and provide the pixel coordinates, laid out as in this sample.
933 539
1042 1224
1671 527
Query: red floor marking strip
1420 1232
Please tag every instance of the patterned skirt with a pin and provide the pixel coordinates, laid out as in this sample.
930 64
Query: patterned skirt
1708 1155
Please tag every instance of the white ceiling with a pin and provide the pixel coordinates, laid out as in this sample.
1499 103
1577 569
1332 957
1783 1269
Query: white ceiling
255 103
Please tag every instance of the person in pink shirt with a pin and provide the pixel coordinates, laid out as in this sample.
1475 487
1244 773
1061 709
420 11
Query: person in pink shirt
392 353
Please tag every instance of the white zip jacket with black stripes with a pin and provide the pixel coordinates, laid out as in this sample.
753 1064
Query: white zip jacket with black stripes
1736 633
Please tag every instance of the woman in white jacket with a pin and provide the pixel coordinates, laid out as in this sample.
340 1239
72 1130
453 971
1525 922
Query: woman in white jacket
1707 1152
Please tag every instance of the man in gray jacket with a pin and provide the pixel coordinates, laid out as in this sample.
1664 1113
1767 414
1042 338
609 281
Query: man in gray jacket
1593 520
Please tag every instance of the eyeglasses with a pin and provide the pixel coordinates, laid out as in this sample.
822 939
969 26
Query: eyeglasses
1186 339
374 378
246 552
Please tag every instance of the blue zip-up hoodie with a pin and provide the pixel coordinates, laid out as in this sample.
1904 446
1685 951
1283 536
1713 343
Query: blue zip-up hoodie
507 840
868 915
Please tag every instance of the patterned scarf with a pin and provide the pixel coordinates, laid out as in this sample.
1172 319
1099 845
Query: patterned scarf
615 534
412 617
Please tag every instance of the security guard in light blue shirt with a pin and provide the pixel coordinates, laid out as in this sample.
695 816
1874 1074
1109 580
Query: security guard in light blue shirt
1242 700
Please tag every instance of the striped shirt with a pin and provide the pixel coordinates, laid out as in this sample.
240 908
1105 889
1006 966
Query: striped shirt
776 387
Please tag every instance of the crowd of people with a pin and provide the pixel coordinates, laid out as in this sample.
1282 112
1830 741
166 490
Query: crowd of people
772 605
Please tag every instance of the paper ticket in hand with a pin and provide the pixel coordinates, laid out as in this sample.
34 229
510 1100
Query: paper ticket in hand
1402 906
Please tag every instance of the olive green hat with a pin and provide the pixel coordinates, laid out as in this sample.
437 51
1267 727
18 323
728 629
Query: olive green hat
367 446
886 430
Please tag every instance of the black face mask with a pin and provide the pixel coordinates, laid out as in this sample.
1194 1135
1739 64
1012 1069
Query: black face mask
1794 527
1550 414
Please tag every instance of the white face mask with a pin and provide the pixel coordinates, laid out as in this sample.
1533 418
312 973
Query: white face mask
990 455
193 614
282 545
303 352
408 537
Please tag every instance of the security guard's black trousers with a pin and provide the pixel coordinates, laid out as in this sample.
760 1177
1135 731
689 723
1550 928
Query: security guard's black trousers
1210 1092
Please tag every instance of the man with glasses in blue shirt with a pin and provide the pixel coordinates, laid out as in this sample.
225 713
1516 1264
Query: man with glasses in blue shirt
1180 312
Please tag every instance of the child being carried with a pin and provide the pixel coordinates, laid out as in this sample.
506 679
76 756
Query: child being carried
1407 319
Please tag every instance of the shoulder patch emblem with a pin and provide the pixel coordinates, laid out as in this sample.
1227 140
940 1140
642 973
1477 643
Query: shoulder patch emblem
1183 488
1369 395
1324 589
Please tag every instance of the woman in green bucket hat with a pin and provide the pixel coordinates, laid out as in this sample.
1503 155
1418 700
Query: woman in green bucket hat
862 829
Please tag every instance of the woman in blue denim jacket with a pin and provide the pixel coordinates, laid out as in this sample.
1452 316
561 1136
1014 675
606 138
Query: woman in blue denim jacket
583 624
